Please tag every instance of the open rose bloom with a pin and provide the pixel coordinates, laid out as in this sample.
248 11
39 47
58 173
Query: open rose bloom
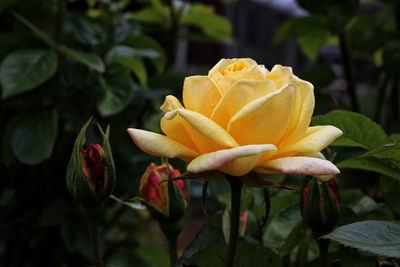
242 118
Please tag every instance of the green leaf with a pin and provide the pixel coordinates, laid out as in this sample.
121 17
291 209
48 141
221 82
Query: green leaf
152 15
151 253
339 12
281 226
357 201
300 26
395 137
135 65
293 239
7 153
211 24
387 151
40 34
247 254
378 237
24 70
118 94
129 52
206 237
146 42
369 164
34 138
358 130
346 259
390 189
312 42
91 60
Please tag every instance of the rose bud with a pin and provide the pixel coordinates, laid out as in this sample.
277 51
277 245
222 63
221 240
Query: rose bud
320 205
91 172
166 200
94 167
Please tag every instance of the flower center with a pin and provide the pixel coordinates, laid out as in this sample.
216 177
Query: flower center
240 65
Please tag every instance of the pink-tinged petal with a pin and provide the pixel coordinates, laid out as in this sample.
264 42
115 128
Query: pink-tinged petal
235 161
160 145
200 94
301 166
204 126
240 94
317 155
170 103
264 120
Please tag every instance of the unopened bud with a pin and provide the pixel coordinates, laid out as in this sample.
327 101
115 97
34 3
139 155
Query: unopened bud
168 198
91 172
320 205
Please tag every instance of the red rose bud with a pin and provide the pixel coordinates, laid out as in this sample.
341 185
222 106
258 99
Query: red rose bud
320 205
91 172
164 199
94 167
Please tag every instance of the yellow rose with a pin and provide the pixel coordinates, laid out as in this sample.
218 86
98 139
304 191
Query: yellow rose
241 118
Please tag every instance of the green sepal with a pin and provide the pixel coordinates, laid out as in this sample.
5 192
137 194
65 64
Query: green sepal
329 211
176 204
110 176
77 183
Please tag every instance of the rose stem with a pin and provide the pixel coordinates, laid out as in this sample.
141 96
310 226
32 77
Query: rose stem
94 240
172 249
323 245
236 188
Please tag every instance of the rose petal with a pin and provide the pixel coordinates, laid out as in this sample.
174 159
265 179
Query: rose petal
200 94
301 166
315 139
160 145
302 112
224 63
235 161
264 120
257 72
179 130
223 83
170 103
317 155
239 95
205 126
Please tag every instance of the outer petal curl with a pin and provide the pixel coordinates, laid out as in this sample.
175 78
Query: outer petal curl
235 161
300 165
160 145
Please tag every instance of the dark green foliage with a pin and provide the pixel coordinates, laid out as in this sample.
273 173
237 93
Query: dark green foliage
62 62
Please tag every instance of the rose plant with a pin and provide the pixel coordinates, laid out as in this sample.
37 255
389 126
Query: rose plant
238 119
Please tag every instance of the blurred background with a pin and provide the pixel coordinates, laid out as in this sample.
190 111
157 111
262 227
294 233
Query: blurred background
63 61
